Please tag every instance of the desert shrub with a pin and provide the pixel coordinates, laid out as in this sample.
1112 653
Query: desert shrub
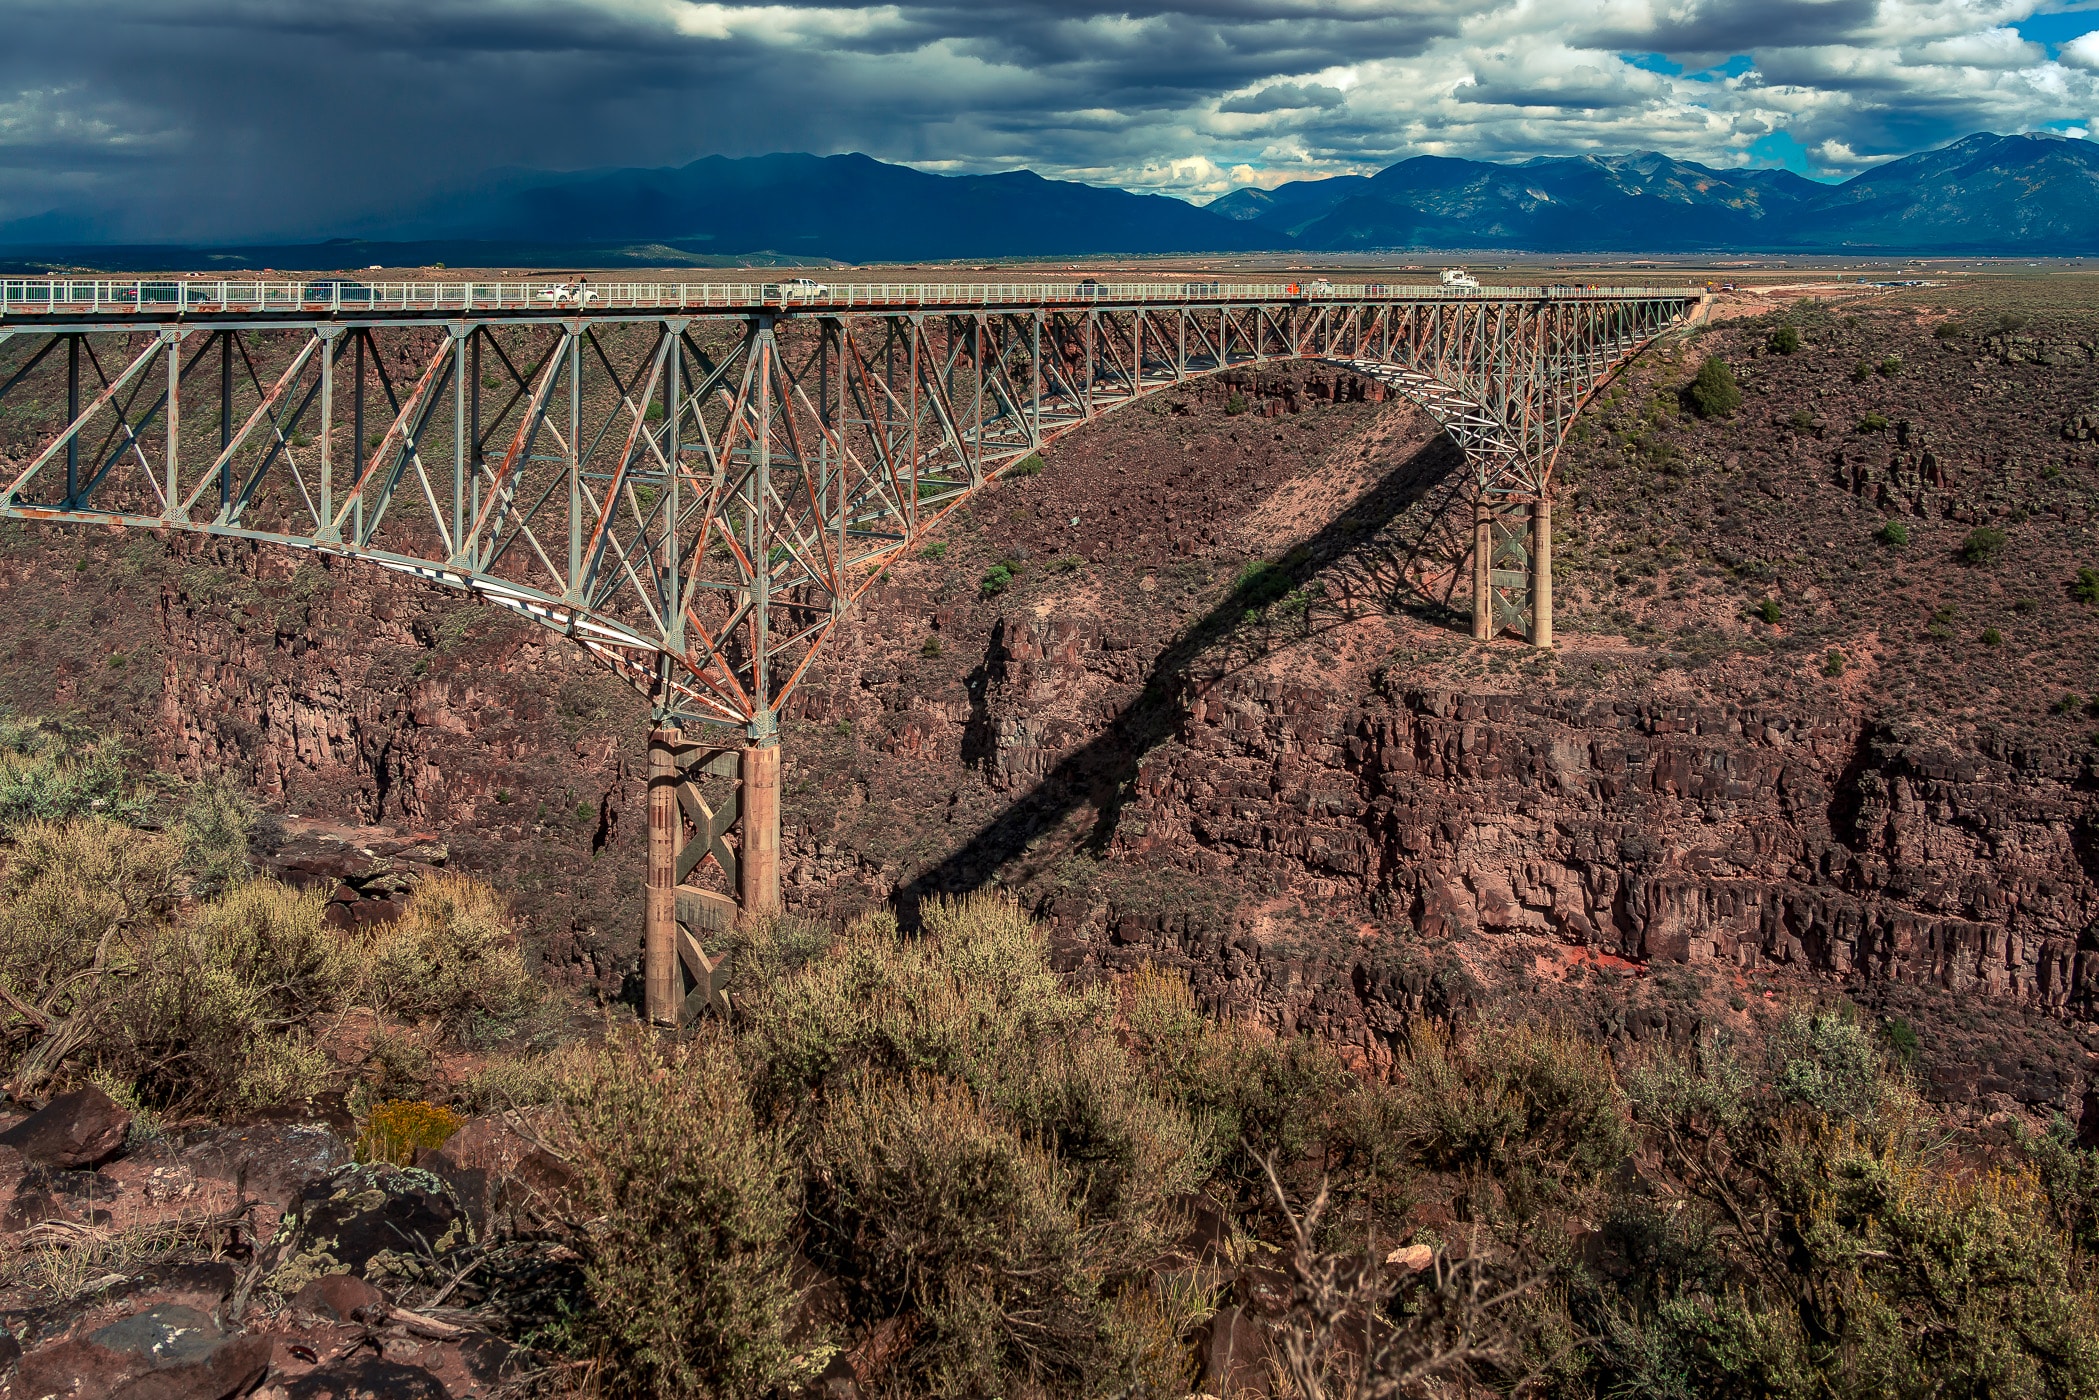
1949 330
1714 392
1515 1100
52 772
1873 422
1861 372
931 1203
1833 664
687 1264
1826 1061
1263 1101
214 825
1890 365
1030 465
218 1012
1992 637
1783 341
997 579
1235 403
396 1130
451 959
1984 545
1894 534
971 998
930 647
2085 587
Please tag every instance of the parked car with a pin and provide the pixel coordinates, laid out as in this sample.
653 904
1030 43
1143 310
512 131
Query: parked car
568 294
1320 287
798 289
1090 289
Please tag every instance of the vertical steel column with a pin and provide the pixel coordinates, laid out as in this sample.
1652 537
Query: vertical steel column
673 594
659 952
357 520
1482 571
225 416
473 425
1541 572
575 461
758 863
72 416
326 523
168 502
461 456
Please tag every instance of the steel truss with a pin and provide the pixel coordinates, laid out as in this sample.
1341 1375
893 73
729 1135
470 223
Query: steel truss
700 496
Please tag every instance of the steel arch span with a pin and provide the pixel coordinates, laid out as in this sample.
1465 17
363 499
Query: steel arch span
697 482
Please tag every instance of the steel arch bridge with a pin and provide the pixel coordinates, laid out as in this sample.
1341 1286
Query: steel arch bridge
696 482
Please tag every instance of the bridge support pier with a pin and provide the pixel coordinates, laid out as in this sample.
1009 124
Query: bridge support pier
1482 572
759 885
1541 573
679 980
659 956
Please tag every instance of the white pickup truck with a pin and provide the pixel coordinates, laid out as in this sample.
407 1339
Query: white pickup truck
1459 279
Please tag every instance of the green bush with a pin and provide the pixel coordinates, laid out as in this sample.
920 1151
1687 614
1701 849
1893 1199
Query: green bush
1984 545
1992 637
2085 587
1833 665
997 579
1949 330
1030 465
1894 534
214 827
1873 423
1861 372
1714 392
936 549
53 772
1890 366
695 1209
1768 610
451 959
1783 341
1235 404
929 648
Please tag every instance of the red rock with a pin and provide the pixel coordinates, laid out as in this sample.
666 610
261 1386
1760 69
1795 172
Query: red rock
83 1128
340 1298
1235 1357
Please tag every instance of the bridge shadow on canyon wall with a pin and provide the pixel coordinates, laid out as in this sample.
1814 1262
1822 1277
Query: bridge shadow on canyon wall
1398 547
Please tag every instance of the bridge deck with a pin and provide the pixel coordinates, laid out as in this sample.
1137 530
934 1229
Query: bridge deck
108 302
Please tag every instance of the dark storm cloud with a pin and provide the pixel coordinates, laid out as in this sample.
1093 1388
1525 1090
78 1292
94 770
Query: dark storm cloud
226 118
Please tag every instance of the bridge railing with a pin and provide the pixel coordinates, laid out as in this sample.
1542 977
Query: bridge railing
147 299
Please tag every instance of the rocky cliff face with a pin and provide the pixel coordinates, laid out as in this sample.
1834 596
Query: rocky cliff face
1224 713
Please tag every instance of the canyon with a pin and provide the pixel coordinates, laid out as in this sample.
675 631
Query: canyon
1200 694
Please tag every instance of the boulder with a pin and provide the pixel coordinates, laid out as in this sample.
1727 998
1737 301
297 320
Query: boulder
169 1351
366 1378
83 1128
1235 1356
341 1298
380 1223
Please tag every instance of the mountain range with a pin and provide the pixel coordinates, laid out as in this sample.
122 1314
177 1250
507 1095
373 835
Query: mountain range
2034 194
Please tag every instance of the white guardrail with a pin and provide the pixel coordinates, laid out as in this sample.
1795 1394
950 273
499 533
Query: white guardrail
172 296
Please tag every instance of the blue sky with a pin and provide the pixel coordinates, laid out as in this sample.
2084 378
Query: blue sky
262 118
